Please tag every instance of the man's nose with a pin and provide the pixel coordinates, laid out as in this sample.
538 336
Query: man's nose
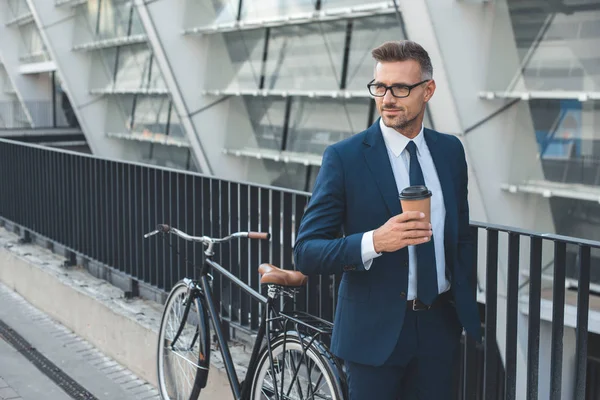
388 97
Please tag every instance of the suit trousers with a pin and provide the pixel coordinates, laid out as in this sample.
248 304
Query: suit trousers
422 366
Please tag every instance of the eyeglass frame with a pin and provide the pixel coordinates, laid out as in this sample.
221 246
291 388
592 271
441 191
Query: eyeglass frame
409 87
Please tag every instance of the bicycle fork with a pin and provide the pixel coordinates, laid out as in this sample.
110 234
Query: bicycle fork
194 294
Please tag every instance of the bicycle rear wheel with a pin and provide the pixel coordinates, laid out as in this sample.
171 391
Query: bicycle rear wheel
299 374
182 365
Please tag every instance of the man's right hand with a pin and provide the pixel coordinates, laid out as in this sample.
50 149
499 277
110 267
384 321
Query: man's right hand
406 229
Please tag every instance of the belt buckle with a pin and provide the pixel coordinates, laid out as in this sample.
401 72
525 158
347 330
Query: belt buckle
419 306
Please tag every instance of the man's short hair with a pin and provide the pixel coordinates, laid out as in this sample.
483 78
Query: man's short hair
404 50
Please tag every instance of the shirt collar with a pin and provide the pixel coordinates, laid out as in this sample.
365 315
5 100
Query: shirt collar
397 142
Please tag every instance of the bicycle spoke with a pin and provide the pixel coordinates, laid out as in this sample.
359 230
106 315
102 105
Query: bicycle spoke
180 359
294 378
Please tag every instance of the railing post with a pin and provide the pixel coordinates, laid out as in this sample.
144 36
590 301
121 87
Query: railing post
558 319
26 238
512 304
490 385
71 260
583 301
469 373
134 289
533 340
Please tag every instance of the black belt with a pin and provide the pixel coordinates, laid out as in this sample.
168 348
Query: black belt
418 305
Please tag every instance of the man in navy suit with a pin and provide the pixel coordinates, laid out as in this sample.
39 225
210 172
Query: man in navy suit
405 295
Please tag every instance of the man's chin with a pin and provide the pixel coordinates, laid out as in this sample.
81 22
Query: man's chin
394 122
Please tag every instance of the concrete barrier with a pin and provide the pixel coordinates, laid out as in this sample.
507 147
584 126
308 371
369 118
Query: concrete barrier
124 329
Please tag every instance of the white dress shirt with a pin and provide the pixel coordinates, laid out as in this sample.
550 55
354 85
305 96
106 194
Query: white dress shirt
400 160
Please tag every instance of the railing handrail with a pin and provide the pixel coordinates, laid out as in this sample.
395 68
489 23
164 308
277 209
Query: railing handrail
160 167
545 236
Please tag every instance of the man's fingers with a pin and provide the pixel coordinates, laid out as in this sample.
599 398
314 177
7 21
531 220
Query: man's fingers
417 234
409 215
415 225
414 242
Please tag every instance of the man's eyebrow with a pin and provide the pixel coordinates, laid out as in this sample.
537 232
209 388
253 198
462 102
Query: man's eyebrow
393 84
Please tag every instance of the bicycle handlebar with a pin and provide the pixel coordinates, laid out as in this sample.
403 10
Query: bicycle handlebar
163 228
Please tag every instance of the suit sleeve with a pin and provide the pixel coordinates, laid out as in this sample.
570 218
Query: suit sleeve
465 239
319 249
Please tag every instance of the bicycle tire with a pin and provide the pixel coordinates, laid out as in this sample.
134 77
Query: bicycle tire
195 334
314 352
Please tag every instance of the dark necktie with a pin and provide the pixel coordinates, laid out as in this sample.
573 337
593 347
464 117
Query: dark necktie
427 286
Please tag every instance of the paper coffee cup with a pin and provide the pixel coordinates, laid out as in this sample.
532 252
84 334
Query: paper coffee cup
417 198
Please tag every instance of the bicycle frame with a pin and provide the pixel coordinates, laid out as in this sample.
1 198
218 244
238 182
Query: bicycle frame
240 392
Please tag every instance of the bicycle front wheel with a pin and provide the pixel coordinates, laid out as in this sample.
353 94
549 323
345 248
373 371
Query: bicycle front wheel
298 372
183 346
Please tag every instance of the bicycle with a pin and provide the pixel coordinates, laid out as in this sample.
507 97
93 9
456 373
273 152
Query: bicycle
298 355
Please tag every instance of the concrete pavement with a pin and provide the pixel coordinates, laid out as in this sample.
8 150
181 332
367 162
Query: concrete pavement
98 374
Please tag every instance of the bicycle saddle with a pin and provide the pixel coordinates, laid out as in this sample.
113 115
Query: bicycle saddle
277 276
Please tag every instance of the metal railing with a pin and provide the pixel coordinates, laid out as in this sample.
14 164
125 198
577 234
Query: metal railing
97 210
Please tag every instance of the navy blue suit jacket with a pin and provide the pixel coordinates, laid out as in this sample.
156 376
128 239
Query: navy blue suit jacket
355 192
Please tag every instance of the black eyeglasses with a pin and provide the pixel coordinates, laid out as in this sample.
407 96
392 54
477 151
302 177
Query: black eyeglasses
400 91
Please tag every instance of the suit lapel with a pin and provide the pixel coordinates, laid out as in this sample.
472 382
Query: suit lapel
378 161
445 176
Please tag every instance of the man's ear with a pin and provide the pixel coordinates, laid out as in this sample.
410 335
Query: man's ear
429 90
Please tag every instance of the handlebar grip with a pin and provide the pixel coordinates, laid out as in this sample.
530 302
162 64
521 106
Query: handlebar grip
163 228
259 235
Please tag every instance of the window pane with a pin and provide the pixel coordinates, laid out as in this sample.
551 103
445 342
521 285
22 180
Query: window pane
367 34
255 123
114 19
175 127
568 143
203 13
267 116
558 48
156 79
169 156
33 48
289 176
317 123
133 67
118 114
306 57
151 114
245 54
17 9
137 28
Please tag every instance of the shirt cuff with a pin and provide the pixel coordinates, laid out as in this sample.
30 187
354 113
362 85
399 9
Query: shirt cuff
368 249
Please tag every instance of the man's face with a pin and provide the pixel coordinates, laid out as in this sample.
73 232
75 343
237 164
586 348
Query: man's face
402 113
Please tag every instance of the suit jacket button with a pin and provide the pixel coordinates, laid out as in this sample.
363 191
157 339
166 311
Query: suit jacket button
403 294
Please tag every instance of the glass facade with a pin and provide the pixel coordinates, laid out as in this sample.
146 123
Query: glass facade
17 9
31 47
140 106
558 49
108 19
558 45
300 71
12 114
559 52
